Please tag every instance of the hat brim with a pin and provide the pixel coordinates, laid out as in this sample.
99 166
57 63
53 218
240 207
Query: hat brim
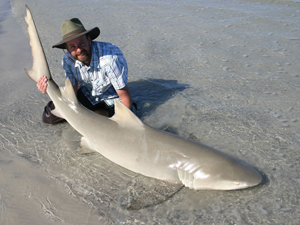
94 33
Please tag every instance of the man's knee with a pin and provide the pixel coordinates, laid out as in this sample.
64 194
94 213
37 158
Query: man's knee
48 117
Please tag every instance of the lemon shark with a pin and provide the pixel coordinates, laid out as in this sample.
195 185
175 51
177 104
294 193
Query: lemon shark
125 140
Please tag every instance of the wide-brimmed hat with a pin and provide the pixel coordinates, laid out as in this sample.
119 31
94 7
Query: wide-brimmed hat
72 29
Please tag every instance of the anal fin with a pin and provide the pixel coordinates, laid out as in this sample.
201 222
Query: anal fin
86 146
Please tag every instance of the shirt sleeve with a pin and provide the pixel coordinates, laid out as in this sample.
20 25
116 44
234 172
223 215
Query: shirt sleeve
69 68
118 71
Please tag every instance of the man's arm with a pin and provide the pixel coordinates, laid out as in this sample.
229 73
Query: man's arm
125 96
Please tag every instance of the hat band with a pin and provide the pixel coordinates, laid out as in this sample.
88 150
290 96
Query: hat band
73 33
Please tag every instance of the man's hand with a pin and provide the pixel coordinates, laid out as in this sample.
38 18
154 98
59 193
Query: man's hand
42 84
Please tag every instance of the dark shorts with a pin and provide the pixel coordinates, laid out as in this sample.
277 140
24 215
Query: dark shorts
49 118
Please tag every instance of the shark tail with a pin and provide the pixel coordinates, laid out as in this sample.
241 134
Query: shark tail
32 74
40 66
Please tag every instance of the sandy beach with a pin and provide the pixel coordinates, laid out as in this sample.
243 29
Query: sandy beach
223 73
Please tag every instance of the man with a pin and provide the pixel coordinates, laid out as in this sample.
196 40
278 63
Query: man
97 70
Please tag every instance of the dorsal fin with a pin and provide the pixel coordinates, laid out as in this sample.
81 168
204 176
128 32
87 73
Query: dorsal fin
68 92
125 117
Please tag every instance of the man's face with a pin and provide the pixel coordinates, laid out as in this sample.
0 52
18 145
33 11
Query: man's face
80 49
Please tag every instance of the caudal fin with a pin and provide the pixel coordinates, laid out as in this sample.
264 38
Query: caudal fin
40 65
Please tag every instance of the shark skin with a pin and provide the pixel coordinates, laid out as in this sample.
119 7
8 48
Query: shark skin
125 140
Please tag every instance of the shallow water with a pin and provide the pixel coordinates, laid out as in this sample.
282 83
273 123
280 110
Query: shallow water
222 73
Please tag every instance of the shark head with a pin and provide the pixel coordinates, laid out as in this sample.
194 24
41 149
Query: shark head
237 175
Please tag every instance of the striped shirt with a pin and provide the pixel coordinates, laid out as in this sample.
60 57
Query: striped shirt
107 71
